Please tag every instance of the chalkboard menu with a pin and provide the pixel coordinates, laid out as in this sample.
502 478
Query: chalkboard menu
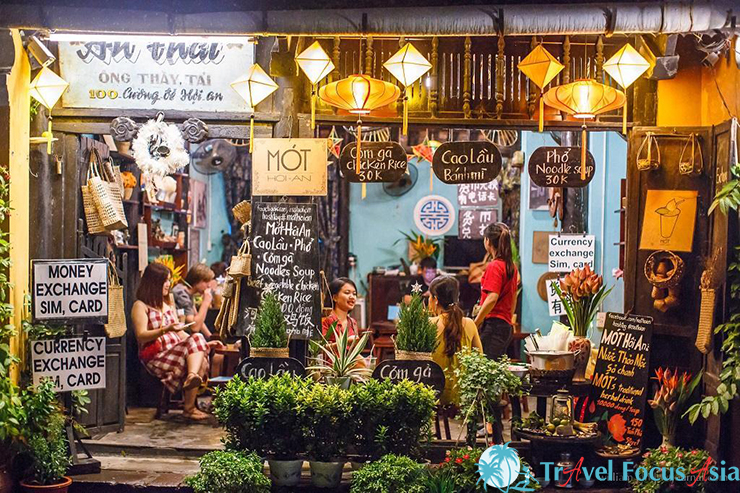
620 384
467 162
285 260
379 162
421 371
267 367
560 167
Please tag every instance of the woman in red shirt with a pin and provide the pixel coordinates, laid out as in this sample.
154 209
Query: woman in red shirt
343 293
498 292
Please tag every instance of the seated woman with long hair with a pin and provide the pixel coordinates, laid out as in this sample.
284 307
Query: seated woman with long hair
454 332
179 360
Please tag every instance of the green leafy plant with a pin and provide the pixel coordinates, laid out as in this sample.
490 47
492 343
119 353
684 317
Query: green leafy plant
324 411
342 358
461 465
409 419
416 332
728 198
730 375
229 472
390 474
442 482
671 459
270 329
370 416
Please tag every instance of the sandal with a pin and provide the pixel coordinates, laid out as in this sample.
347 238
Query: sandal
195 414
192 382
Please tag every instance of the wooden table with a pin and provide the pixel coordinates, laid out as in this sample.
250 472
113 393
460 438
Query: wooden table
232 357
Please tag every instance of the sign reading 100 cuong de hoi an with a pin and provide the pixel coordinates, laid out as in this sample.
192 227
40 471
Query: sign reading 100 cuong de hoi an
560 167
467 162
70 291
289 167
155 73
379 162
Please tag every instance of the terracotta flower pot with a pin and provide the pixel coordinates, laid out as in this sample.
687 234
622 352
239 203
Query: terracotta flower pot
51 488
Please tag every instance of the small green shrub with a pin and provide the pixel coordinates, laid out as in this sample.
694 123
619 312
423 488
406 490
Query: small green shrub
229 472
390 474
415 331
270 329
409 417
324 412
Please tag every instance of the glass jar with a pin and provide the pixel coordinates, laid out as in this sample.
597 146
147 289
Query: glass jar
561 408
564 464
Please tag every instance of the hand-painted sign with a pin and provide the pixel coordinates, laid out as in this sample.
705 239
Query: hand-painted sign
571 251
478 194
156 73
554 304
267 367
467 162
472 222
560 167
420 371
70 290
289 167
434 215
72 364
379 162
620 382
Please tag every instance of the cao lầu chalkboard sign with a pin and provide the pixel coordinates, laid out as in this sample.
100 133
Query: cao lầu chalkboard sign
560 167
420 371
267 367
467 162
379 162
620 382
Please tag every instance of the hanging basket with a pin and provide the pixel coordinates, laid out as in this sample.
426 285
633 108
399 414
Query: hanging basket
412 356
672 278
269 352
242 211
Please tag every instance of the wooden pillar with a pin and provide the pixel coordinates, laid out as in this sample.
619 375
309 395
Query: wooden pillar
566 60
533 89
467 75
576 201
500 74
434 89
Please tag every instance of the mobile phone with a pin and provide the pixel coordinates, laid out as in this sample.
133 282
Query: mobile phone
187 325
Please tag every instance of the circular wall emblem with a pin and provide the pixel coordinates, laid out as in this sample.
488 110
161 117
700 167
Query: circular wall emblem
434 215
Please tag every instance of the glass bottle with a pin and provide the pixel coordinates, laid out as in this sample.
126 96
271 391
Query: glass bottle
564 464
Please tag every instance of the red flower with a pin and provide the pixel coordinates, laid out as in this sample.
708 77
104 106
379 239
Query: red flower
459 460
466 456
617 427
647 454
447 459
694 452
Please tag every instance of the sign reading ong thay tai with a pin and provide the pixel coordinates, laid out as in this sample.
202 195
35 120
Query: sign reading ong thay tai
70 290
379 162
620 383
72 364
158 73
285 260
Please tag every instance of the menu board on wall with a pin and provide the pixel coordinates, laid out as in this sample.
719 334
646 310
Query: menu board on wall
620 383
285 260
467 162
379 162
560 167
155 73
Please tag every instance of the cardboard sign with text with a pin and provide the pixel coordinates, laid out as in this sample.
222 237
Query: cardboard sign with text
554 304
289 167
72 364
568 252
70 290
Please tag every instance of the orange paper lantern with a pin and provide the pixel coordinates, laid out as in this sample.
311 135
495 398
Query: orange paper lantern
541 68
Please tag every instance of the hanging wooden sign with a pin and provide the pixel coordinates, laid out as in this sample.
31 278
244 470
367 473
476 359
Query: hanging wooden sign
420 371
467 162
379 162
560 167
267 367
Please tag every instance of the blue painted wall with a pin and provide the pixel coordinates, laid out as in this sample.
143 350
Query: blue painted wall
218 221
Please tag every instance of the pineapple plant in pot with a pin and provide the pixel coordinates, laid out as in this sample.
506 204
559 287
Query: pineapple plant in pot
416 337
342 362
270 336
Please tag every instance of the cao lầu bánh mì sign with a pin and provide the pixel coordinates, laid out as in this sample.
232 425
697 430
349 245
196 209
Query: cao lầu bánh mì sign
467 162
289 167
379 162
72 364
70 290
560 167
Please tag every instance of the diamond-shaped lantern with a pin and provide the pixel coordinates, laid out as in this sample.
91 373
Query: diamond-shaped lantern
316 64
625 67
46 88
541 68
254 87
407 65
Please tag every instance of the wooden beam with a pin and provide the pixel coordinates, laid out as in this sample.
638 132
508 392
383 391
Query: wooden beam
178 116
236 130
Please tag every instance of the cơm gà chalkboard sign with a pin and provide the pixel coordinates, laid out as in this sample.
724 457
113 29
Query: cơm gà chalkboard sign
620 383
560 167
379 162
421 371
467 162
285 260
267 367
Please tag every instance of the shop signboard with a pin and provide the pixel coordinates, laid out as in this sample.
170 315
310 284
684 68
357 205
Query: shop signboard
467 162
379 162
478 194
560 167
570 251
267 367
620 383
472 222
289 167
72 364
155 73
70 290
285 261
420 371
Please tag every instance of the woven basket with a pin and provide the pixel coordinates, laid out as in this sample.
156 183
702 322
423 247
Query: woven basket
412 356
116 326
242 211
706 320
269 352
241 263
674 275
92 218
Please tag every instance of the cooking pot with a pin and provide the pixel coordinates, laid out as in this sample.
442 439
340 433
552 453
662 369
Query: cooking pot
552 360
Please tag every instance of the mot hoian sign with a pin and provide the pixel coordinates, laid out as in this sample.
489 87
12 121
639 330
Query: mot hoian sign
70 290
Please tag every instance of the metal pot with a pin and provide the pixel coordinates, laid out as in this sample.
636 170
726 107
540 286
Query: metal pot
552 360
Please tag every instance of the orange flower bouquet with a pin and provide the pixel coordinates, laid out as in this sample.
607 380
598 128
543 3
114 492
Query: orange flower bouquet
581 292
670 399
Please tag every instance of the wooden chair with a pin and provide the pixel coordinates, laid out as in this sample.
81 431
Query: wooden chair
445 413
167 402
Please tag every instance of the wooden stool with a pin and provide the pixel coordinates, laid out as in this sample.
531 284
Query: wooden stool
445 412
167 401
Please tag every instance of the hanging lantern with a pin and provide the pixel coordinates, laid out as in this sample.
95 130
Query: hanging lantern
407 65
359 94
625 67
584 99
541 68
254 87
316 64
46 88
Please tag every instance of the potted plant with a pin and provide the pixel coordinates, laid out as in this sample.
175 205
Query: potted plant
342 362
12 412
370 415
460 467
325 414
670 400
390 474
416 337
581 292
270 336
45 441
409 418
674 458
229 472
420 247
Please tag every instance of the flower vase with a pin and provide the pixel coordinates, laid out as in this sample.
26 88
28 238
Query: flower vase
669 441
582 347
